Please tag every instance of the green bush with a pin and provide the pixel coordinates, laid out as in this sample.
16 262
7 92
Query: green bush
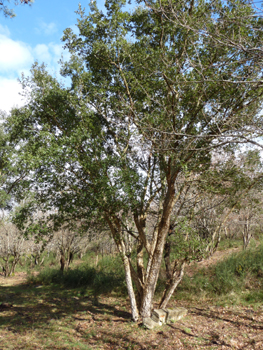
108 277
228 275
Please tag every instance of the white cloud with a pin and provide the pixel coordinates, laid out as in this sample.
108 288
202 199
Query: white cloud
57 49
9 94
43 53
50 54
17 57
14 54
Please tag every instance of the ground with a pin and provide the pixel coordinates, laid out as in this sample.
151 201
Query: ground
40 317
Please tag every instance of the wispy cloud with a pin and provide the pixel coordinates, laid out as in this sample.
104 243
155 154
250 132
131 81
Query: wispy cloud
4 30
42 53
46 28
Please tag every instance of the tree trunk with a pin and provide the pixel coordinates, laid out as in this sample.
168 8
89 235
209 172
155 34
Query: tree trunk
157 254
97 256
115 227
175 280
167 261
246 235
150 283
134 309
62 263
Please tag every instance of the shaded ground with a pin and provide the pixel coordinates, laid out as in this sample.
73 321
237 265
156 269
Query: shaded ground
39 317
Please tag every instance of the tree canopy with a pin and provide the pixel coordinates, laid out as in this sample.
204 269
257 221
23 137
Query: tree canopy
156 94
10 12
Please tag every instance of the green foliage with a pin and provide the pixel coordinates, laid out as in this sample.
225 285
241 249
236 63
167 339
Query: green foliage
7 169
135 78
106 278
237 273
156 93
187 243
10 12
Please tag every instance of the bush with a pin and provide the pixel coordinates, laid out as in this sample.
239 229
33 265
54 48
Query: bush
229 275
108 277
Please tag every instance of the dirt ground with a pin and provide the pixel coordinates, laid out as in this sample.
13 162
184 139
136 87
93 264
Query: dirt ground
37 317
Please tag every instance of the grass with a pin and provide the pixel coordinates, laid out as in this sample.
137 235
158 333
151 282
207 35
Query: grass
108 277
51 312
227 243
241 275
88 308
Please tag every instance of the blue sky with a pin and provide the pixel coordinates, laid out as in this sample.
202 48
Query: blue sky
34 34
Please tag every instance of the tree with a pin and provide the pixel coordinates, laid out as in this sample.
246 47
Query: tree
12 247
10 12
250 208
68 242
10 175
155 94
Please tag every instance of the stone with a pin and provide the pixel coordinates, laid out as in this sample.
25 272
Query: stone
162 316
149 323
175 314
159 315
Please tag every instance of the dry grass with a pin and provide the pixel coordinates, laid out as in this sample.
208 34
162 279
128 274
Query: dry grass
48 317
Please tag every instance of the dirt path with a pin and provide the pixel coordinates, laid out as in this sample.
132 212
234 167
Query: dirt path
18 278
214 259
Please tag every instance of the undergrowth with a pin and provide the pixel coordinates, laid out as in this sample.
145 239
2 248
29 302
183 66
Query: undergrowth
107 277
240 273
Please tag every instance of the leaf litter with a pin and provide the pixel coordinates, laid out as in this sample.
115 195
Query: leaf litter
57 318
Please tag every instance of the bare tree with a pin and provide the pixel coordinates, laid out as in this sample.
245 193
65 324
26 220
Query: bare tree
12 247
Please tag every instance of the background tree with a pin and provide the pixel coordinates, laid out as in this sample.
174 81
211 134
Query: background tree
10 12
152 99
12 246
10 175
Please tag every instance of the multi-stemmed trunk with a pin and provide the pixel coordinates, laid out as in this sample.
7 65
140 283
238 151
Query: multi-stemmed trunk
145 279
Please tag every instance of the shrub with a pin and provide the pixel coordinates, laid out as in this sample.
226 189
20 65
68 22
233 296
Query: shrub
228 275
107 277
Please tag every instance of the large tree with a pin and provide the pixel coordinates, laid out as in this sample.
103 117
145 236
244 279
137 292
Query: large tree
156 93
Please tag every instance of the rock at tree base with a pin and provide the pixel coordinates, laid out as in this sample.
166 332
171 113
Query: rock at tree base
162 316
149 323
159 316
176 314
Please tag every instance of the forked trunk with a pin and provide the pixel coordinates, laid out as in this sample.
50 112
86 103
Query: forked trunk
115 228
157 255
150 283
169 290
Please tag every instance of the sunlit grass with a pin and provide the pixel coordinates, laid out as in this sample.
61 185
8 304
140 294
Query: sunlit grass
237 279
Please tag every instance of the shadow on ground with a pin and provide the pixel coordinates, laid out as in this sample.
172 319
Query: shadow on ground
70 314
24 305
77 319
